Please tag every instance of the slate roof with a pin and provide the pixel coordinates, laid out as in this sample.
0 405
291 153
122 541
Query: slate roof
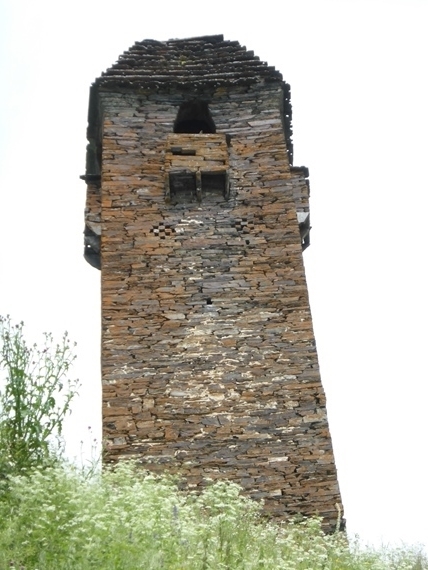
202 61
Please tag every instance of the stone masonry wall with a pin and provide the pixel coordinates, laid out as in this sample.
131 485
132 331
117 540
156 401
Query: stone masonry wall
209 362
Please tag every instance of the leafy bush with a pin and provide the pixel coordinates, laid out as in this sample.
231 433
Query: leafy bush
59 518
35 396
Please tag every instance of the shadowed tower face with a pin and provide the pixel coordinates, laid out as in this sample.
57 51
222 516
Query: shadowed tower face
198 220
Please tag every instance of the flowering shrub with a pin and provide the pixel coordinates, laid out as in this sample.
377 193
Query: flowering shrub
59 518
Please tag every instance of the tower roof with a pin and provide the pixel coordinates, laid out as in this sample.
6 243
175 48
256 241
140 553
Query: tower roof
186 65
202 61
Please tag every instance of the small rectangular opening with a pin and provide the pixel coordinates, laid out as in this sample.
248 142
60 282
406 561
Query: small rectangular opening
214 183
183 186
179 151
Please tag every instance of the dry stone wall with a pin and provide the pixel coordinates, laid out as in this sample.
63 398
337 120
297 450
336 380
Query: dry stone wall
209 362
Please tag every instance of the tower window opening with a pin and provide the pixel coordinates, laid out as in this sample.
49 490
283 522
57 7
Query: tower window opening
194 117
185 187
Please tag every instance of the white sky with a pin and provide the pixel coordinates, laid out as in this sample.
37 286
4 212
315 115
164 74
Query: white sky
358 75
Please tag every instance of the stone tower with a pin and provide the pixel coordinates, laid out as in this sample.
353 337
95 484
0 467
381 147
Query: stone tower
198 220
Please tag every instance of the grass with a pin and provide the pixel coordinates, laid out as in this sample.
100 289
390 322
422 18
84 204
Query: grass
59 518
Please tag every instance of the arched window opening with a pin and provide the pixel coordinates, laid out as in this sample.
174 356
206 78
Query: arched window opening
194 117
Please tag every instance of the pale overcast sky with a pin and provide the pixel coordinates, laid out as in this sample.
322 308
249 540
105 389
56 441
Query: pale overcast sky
359 89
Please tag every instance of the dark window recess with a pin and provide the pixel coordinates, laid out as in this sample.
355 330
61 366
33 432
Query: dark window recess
215 183
194 117
305 228
92 248
180 187
184 187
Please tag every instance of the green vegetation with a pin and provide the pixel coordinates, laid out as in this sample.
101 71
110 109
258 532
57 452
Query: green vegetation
58 518
54 516
35 396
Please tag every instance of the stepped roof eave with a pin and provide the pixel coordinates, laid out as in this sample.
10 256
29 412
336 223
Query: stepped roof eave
202 61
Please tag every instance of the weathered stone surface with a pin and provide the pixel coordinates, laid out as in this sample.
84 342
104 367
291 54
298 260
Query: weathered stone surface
209 363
